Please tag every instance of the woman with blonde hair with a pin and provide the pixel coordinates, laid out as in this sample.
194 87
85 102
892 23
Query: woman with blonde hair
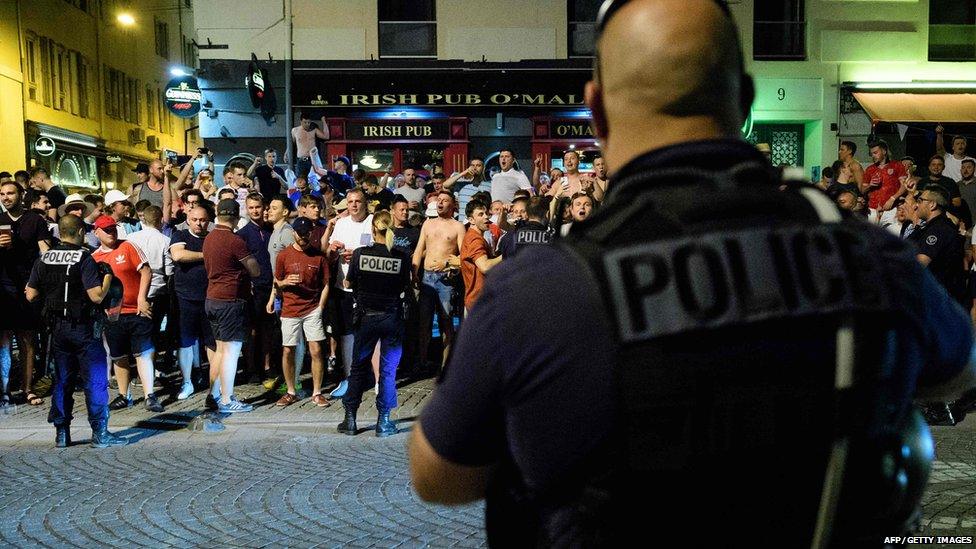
379 276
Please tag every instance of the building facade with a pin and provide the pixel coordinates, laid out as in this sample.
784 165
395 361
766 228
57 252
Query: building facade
426 82
82 89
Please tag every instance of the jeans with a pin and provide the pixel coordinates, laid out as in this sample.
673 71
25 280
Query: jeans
78 352
387 328
303 166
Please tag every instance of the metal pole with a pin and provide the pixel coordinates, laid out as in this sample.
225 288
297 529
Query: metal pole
288 54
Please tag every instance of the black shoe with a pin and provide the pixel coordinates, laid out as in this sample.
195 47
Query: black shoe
63 437
348 425
152 403
120 403
101 438
212 403
385 427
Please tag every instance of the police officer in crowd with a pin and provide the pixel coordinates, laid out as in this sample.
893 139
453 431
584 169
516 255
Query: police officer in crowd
940 246
744 352
72 286
379 276
532 232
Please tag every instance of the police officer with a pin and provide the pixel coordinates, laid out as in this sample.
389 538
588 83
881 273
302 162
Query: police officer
379 276
703 351
940 246
72 286
533 232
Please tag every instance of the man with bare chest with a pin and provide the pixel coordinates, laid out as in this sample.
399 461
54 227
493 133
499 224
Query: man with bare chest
573 181
304 136
436 264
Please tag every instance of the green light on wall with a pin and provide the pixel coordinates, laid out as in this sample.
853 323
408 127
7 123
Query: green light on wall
747 126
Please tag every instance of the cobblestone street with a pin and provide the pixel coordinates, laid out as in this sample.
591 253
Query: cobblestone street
282 477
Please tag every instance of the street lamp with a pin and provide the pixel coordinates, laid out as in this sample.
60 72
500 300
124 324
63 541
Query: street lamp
177 71
126 19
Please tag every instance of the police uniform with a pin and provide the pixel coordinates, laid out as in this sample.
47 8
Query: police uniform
694 355
62 276
529 233
941 242
380 279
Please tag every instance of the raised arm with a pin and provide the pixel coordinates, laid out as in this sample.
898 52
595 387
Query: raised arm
940 140
323 132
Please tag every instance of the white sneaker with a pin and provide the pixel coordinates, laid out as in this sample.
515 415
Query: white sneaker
185 392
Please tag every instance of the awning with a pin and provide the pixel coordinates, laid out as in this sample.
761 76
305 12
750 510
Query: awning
918 107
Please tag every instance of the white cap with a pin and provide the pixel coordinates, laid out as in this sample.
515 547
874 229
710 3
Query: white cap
114 196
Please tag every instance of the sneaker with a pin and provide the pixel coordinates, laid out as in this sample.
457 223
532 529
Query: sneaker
152 403
212 403
185 392
340 390
234 406
120 403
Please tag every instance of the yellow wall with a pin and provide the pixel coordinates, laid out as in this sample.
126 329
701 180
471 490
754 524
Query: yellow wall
11 99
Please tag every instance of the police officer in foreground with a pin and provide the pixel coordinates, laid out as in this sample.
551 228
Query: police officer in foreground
73 286
725 361
379 276
533 232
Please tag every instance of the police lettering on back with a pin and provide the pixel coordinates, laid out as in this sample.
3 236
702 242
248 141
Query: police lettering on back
382 265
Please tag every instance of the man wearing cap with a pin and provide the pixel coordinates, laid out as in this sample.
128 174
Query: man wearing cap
302 280
230 267
131 331
152 186
117 207
338 179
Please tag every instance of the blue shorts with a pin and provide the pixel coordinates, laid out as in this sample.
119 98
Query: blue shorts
434 287
229 320
131 334
194 326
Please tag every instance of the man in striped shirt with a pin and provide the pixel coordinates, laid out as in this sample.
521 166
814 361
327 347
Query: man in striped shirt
465 184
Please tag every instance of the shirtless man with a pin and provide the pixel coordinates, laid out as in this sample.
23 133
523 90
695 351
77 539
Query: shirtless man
576 182
304 136
601 176
846 155
436 264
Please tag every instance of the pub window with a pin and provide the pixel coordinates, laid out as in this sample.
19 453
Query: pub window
60 59
407 29
582 27
84 81
115 94
150 107
45 57
74 94
952 30
189 53
162 38
31 63
779 31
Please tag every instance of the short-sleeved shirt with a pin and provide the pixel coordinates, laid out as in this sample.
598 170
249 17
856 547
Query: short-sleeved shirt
125 261
466 189
887 178
379 276
941 242
257 237
90 277
223 253
301 300
352 234
949 185
411 194
267 184
472 248
953 166
505 184
16 262
281 238
154 246
530 233
406 238
189 278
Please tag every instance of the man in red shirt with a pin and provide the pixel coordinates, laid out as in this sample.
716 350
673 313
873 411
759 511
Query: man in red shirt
132 332
229 264
302 277
883 183
475 260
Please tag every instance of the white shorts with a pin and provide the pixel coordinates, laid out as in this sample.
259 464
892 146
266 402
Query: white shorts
312 325
887 217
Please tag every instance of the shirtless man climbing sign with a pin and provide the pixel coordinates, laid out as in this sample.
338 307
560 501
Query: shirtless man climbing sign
436 264
304 136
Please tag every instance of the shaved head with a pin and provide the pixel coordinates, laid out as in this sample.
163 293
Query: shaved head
668 71
71 228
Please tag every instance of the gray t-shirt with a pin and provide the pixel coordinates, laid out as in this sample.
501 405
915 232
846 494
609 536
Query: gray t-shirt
968 192
504 185
411 194
281 238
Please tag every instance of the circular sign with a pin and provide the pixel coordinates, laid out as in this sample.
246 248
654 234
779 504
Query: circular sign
256 82
113 158
183 96
44 146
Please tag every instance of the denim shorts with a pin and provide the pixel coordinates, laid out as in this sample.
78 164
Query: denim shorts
131 334
434 284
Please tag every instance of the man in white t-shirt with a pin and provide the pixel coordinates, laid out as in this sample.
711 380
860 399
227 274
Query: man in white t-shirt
506 182
411 189
953 160
352 231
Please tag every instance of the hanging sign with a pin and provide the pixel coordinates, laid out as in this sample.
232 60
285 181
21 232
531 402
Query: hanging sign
257 84
44 146
183 96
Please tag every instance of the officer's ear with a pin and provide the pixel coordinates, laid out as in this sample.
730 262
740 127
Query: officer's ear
593 95
747 94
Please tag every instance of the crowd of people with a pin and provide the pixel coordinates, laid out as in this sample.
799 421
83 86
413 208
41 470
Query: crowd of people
254 275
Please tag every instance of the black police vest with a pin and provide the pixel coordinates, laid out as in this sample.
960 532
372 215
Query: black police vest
382 279
64 294
753 367
531 233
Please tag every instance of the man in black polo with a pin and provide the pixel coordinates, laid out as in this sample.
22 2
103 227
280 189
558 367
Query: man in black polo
940 246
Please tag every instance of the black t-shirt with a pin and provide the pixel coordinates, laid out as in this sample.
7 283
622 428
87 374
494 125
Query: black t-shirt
267 184
949 185
380 200
16 262
190 279
941 242
406 238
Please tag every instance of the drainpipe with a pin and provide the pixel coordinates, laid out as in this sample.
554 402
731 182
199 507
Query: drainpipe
288 54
